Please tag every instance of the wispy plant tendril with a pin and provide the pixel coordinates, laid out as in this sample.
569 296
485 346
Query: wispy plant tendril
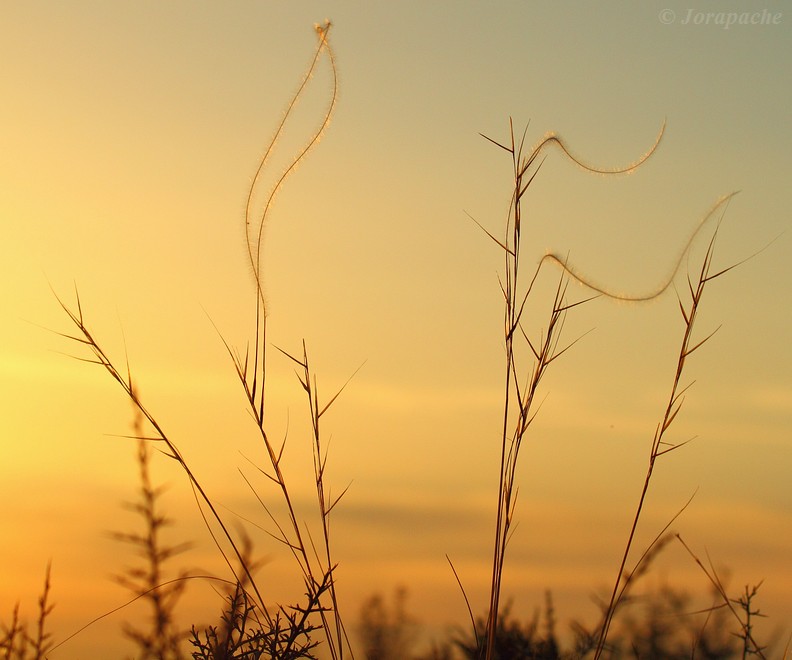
254 227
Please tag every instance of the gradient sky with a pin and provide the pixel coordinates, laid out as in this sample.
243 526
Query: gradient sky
129 134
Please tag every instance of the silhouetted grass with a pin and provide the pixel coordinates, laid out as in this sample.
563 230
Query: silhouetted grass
247 627
527 361
16 642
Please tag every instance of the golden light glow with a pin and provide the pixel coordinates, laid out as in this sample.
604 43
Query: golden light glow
131 138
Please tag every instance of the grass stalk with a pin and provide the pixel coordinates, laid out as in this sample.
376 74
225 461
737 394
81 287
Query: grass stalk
745 603
16 641
42 642
162 640
521 378
660 446
101 358
287 626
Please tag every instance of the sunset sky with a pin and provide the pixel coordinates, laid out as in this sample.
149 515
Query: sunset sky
129 136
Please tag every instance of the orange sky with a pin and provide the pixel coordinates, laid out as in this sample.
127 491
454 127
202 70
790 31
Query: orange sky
129 138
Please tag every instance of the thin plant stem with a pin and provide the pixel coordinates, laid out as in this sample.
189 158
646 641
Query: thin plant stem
520 389
660 446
